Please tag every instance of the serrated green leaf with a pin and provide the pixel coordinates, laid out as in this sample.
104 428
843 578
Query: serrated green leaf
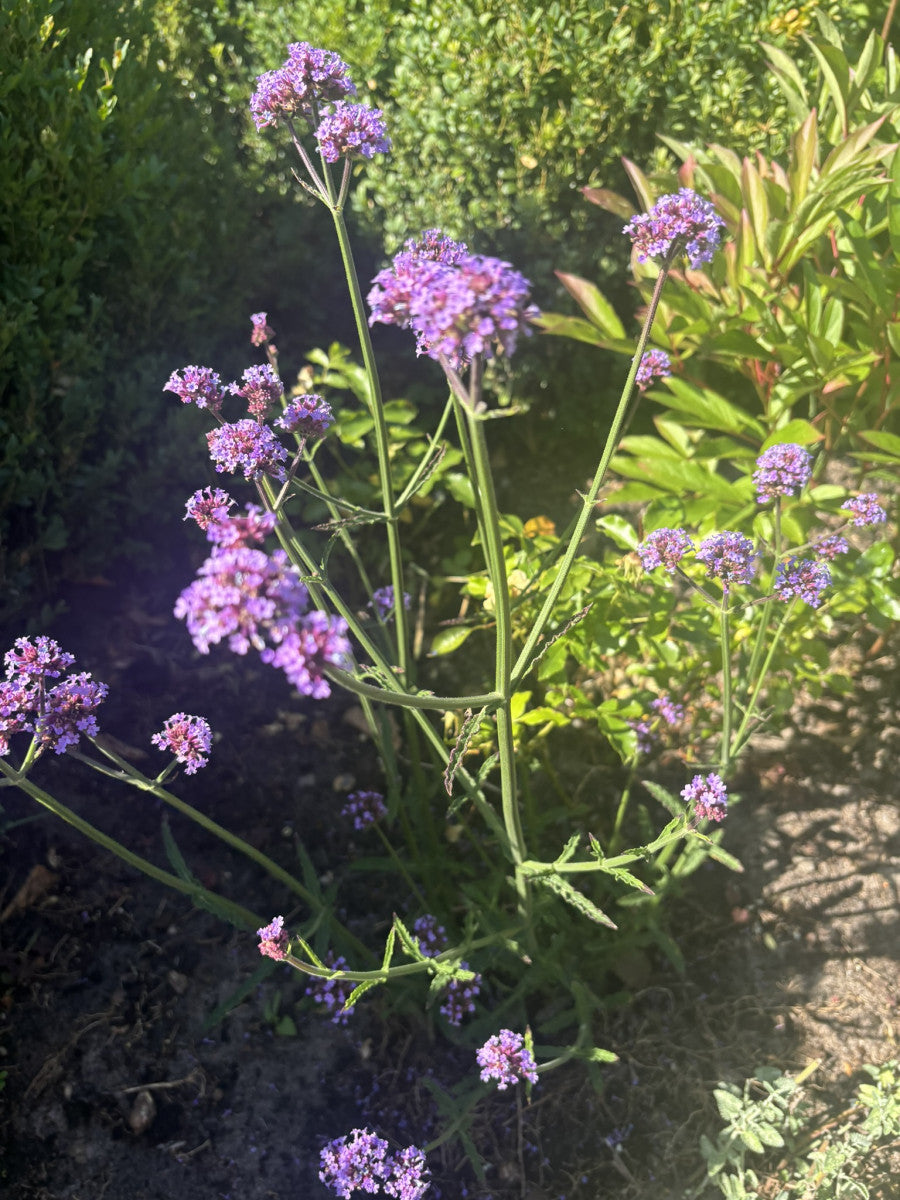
358 992
750 1140
669 802
578 900
728 1104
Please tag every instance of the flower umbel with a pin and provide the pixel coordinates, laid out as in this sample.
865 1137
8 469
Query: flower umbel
680 223
350 130
262 330
261 388
197 385
655 364
360 1162
364 808
308 78
803 577
309 416
188 738
830 547
865 509
247 445
782 470
383 602
664 548
729 557
506 1059
274 941
708 795
207 506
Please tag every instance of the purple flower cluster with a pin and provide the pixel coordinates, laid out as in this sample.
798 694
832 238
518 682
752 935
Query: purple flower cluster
664 548
254 599
655 364
261 388
308 78
830 547
681 223
803 577
708 795
229 532
274 941
333 993
782 470
347 130
262 330
57 716
208 505
865 509
365 808
197 385
461 993
383 602
457 304
248 445
729 557
188 738
506 1059
360 1162
648 729
309 416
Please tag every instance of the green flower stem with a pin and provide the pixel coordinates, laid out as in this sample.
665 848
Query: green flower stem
742 736
496 563
422 700
765 618
623 806
381 443
320 589
526 657
429 459
725 640
242 917
534 867
345 538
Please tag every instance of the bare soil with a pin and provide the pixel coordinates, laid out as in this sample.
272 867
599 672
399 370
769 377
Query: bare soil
125 1081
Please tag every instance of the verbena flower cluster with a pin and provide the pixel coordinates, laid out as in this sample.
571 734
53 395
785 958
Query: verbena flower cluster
307 79
383 601
708 795
197 385
782 470
247 446
188 738
261 388
262 331
666 715
506 1059
461 993
360 1162
364 809
333 994
804 578
680 223
457 304
664 548
309 416
729 557
655 364
865 509
252 599
347 130
274 941
57 716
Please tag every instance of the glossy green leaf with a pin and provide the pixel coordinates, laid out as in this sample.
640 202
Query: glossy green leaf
883 440
804 152
798 431
593 303
445 641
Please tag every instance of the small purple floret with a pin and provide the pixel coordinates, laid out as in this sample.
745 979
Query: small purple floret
247 445
682 222
351 130
865 509
274 941
805 578
333 993
782 470
207 506
360 1163
253 529
197 385
830 547
309 416
461 993
364 808
42 658
188 738
664 548
383 601
655 364
261 388
505 1059
262 330
68 712
308 78
708 795
729 557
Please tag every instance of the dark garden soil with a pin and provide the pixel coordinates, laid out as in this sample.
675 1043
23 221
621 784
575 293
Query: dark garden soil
124 1082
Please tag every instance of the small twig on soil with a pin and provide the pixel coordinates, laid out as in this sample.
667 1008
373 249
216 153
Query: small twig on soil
194 1077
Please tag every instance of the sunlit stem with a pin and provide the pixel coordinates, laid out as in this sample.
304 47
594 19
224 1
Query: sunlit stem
725 642
741 736
527 654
